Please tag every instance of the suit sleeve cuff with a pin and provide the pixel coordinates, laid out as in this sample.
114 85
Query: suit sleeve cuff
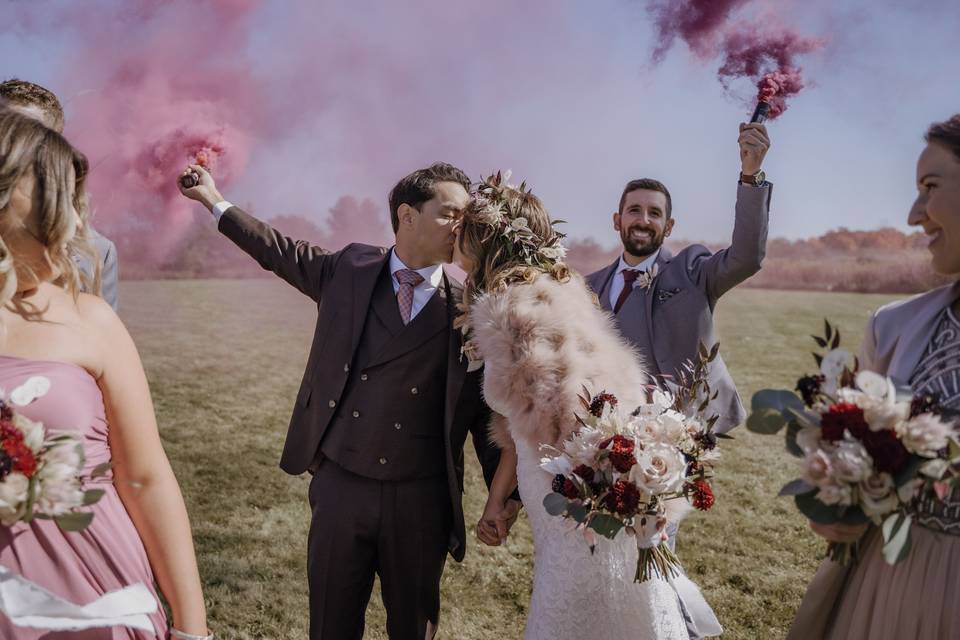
219 209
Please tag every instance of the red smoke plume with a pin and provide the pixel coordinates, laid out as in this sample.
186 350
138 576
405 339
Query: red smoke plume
762 51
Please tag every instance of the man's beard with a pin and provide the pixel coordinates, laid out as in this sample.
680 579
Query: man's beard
639 249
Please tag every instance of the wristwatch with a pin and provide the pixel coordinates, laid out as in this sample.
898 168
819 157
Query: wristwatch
755 180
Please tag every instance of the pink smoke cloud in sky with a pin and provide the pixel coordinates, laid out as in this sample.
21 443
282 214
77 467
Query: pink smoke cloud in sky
760 48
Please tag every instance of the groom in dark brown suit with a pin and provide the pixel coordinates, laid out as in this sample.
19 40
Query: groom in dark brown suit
384 407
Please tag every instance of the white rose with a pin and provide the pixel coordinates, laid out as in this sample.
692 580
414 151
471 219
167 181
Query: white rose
875 385
13 493
33 432
877 495
519 223
817 468
660 469
850 461
832 494
924 435
582 446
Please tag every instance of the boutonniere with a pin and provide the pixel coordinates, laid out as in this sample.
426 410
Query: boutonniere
645 278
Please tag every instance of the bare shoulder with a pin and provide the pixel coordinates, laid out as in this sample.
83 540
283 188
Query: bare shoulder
100 321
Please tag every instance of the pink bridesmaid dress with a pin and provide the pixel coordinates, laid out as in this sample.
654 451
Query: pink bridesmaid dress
106 556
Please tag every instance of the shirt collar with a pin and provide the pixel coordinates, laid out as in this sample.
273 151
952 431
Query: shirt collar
432 274
646 265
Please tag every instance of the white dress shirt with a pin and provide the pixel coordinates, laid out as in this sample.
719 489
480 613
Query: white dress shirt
617 285
432 279
219 209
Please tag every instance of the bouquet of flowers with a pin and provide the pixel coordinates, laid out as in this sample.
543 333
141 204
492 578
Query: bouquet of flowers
620 468
40 473
866 447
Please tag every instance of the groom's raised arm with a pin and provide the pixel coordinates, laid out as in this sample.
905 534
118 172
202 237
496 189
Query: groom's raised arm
303 265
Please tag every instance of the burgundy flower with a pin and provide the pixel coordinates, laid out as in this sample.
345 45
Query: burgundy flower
596 405
6 465
887 451
565 487
809 388
620 452
702 495
584 472
843 416
624 498
21 456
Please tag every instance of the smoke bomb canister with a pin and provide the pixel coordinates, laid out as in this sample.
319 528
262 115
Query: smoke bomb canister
760 113
189 181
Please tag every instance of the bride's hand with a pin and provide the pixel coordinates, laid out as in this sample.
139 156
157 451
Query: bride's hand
495 523
842 533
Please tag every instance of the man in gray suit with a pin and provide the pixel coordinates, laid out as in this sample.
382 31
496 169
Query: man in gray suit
40 103
664 303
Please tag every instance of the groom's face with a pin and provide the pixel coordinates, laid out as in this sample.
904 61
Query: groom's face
643 223
435 225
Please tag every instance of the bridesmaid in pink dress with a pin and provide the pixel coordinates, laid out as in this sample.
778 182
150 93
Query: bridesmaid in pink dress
140 531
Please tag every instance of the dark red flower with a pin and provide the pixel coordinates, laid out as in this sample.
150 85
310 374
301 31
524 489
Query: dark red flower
843 416
809 388
887 451
596 405
624 498
584 472
21 456
702 495
565 487
620 452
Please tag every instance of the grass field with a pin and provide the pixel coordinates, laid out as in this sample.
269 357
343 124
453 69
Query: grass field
224 360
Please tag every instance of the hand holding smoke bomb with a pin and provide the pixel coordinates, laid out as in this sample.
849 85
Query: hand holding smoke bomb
196 183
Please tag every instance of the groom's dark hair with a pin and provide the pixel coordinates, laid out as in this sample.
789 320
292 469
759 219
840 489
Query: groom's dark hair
648 184
417 188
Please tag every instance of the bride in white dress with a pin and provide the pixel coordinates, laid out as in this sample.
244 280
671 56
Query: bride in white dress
542 337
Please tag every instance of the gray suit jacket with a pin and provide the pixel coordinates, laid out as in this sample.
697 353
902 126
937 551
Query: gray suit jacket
109 271
898 333
668 321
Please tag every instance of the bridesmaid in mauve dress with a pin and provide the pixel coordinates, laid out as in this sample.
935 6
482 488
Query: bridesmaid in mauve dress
915 341
140 531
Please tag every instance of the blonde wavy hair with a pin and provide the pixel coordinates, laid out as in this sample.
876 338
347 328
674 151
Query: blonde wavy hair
509 237
26 145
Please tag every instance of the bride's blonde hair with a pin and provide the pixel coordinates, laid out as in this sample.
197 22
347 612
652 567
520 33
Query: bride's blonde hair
509 237
27 145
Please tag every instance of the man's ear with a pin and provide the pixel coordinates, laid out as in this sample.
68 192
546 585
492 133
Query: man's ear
616 220
406 214
669 228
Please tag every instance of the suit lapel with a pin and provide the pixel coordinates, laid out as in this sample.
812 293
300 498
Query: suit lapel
456 366
605 280
364 281
384 304
431 320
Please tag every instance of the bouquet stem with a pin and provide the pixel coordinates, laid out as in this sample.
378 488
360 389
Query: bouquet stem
656 561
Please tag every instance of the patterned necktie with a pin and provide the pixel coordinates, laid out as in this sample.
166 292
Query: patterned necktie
629 277
408 280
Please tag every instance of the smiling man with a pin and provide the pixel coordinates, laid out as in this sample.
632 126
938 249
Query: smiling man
664 303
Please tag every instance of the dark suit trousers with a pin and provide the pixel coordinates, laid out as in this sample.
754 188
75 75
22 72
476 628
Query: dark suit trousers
360 527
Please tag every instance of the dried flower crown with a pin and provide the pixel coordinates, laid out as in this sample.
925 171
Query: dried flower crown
492 207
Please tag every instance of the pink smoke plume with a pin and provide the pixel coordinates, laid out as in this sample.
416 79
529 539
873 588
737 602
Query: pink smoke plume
762 51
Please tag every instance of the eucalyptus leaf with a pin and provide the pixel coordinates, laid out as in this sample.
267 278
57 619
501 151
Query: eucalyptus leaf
796 487
779 399
100 470
791 440
555 504
92 496
74 521
606 525
765 421
577 510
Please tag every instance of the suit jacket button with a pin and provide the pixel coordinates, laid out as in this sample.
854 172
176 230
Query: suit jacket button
332 404
356 414
397 425
383 461
414 391
363 377
346 367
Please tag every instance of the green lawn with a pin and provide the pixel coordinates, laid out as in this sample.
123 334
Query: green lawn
224 360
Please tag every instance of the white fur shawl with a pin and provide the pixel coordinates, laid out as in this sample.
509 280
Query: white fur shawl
541 343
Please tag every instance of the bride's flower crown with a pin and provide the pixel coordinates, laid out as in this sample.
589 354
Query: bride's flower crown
519 243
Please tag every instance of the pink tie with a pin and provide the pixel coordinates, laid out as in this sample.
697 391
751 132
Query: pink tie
408 280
